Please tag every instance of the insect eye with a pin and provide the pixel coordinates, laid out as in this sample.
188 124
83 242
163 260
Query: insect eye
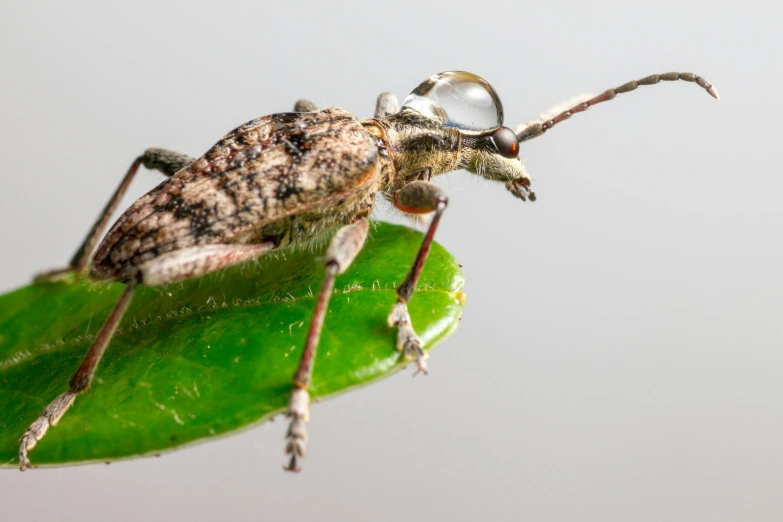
458 99
505 142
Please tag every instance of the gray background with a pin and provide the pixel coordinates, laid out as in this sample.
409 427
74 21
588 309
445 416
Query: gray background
621 351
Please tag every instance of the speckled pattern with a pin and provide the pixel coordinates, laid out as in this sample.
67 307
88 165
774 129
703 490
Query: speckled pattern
267 170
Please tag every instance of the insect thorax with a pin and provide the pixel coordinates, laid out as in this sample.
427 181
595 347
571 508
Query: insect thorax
419 147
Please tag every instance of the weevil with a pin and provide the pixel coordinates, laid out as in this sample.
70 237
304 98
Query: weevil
284 180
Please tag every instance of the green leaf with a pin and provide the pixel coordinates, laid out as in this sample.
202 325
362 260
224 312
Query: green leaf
207 356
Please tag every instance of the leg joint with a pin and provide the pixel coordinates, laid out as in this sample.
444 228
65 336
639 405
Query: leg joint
346 245
166 161
305 105
80 382
420 197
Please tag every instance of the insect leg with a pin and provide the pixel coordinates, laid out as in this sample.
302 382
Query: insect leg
305 105
386 104
166 161
418 197
168 268
342 250
197 261
79 383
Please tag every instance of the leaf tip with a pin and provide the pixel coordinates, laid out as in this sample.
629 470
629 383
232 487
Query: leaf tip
461 297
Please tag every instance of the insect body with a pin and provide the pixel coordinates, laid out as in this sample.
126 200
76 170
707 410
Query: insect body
270 182
287 179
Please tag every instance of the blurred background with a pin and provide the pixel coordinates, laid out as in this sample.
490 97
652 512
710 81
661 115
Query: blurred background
620 354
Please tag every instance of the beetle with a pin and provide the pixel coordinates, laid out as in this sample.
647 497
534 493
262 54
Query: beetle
287 179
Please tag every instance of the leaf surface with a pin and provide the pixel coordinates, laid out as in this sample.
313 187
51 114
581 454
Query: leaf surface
204 357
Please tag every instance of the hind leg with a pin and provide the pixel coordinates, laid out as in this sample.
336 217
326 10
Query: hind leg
168 268
166 161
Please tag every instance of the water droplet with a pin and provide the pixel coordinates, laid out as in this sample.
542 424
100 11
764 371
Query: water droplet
458 99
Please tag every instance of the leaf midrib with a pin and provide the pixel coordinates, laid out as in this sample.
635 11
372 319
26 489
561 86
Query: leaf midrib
171 314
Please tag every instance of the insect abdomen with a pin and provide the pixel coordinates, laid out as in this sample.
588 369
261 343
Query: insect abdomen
268 169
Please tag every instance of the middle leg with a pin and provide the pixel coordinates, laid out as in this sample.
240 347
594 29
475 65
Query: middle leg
344 247
418 197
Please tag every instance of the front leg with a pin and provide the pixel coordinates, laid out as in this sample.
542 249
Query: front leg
418 197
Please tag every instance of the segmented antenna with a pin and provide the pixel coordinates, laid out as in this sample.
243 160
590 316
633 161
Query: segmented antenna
536 129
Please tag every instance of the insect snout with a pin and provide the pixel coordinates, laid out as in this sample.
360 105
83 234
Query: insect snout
520 187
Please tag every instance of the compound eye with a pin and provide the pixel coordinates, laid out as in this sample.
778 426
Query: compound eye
505 142
458 99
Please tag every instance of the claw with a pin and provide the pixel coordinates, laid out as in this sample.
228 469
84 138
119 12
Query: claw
411 345
421 367
407 341
24 461
298 410
292 466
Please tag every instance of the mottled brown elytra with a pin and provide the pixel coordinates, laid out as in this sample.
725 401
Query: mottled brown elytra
291 178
